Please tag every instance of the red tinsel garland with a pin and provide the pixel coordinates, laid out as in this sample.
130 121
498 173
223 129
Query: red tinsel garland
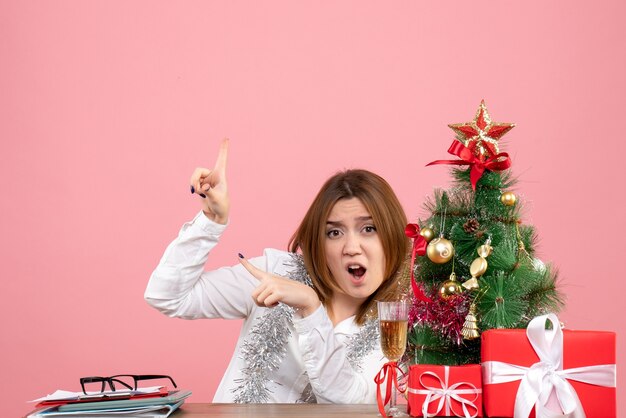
445 316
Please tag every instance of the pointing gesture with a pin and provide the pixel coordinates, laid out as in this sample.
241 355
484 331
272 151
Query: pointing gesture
273 289
211 186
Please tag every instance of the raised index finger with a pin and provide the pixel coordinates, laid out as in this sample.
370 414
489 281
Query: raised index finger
220 164
255 271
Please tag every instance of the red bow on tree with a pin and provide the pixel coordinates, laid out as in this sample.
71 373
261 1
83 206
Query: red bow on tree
478 165
419 248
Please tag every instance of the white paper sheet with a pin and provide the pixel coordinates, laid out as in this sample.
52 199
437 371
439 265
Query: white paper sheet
61 395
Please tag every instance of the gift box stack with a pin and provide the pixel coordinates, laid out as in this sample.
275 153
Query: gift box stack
524 373
474 348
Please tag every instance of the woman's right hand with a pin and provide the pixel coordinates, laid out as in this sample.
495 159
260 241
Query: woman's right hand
273 289
212 185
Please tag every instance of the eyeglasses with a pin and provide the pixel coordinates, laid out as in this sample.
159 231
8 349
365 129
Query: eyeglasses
129 381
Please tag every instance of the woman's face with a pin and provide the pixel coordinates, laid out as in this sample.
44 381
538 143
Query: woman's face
354 251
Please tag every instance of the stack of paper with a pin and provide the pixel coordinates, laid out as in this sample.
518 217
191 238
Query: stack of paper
154 402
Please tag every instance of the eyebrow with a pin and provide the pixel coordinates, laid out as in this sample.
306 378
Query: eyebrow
359 218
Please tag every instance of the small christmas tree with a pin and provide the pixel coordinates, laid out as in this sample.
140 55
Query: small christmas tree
473 258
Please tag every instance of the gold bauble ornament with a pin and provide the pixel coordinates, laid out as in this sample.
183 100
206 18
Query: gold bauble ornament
427 233
508 198
440 250
450 287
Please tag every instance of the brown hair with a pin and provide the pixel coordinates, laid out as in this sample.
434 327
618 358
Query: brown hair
388 217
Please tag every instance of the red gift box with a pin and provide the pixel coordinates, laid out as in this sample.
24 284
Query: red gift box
590 353
445 390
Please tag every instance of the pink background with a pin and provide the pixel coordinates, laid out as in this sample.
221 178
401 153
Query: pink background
106 107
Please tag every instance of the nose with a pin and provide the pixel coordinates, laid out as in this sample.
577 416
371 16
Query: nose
352 244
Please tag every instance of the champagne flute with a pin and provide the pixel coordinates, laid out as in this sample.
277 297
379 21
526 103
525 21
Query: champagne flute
393 317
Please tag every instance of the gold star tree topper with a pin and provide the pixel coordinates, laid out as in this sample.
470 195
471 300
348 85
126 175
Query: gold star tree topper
482 134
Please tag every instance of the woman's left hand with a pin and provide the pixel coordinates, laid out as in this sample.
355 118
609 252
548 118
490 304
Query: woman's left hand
273 289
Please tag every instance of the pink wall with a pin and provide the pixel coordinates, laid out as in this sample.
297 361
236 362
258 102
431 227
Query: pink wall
107 106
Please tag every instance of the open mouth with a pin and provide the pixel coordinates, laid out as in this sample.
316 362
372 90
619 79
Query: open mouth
357 272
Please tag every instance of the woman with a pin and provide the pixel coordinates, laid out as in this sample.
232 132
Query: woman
309 332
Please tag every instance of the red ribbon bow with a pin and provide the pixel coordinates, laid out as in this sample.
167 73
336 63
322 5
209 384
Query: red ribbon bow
497 162
419 248
388 372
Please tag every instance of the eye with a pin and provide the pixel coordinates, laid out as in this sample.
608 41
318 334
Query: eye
333 233
369 229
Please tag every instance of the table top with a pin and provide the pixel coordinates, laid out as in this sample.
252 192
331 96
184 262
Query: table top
301 410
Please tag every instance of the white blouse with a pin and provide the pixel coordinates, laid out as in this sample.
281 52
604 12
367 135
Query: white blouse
316 352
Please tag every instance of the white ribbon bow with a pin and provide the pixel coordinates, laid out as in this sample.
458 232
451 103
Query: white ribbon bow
446 394
539 380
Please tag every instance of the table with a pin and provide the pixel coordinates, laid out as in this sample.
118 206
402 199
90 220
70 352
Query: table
203 410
